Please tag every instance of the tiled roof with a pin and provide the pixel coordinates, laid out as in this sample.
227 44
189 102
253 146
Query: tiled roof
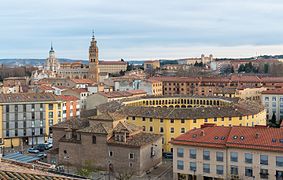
126 127
68 98
46 88
82 81
27 97
108 116
72 123
273 91
118 94
258 137
136 140
98 128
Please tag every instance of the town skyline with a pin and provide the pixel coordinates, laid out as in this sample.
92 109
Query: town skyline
141 30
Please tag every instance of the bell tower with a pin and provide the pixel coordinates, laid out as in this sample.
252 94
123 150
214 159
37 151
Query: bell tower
93 60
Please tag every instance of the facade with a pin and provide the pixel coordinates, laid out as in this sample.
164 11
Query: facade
106 142
273 102
151 65
52 64
152 87
112 67
96 99
26 118
81 94
71 107
172 116
204 59
206 86
217 152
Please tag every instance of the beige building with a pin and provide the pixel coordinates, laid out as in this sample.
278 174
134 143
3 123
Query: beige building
150 65
273 102
219 152
106 142
152 87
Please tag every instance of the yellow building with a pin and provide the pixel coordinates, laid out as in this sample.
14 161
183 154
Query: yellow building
25 119
173 116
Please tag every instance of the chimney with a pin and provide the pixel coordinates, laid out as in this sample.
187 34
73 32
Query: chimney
202 133
68 133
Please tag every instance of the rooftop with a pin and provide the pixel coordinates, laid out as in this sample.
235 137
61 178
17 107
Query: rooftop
112 63
82 81
258 137
273 91
27 97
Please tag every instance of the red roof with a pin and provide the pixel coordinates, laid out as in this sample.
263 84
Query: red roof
273 91
258 137
118 94
46 88
82 81
68 98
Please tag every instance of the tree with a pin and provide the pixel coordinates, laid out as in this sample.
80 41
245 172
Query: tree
273 121
266 68
232 69
86 170
124 175
241 68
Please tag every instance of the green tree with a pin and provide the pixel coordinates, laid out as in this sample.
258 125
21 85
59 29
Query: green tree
232 70
86 170
266 68
273 121
241 68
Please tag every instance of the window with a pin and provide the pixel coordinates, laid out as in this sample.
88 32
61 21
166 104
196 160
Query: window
180 152
183 130
24 108
93 139
234 170
263 159
16 108
205 120
206 155
180 164
215 119
133 118
263 173
172 130
230 118
161 129
172 121
193 166
240 118
150 128
194 121
248 171
206 168
266 98
219 169
273 98
161 120
41 131
248 158
7 108
193 153
143 118
50 114
110 153
150 119
219 156
279 161
222 118
131 156
234 156
182 120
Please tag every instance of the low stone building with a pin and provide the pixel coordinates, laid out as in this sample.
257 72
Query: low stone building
105 142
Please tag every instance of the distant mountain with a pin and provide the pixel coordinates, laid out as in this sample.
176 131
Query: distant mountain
33 62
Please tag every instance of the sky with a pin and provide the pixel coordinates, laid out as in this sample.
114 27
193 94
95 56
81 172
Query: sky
141 29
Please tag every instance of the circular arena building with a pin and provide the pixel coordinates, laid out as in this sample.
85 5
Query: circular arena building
173 115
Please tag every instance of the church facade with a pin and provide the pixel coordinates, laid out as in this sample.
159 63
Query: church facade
80 70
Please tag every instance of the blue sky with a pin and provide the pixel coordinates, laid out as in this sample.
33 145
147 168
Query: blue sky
143 29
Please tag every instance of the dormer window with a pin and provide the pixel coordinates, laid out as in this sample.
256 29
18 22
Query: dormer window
93 139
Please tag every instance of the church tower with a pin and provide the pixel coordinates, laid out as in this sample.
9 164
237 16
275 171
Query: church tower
93 60
52 63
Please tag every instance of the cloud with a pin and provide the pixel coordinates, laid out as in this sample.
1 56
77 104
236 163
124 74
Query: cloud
140 29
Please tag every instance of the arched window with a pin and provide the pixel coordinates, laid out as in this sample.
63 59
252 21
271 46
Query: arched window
93 139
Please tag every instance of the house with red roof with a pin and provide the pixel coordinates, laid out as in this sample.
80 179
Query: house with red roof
220 152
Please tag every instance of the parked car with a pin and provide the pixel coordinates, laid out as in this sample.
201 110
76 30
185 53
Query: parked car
48 146
40 147
42 155
168 155
33 150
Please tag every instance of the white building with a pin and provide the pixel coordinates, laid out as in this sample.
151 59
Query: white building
273 102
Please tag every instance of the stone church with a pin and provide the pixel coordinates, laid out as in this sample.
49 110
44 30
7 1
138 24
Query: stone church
80 70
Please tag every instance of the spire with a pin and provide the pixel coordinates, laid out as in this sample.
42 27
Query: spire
93 34
51 49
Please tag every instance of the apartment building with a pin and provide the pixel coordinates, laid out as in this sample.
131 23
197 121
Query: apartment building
71 107
26 118
273 102
219 152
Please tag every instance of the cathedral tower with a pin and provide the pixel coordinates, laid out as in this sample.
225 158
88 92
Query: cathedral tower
52 63
93 60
